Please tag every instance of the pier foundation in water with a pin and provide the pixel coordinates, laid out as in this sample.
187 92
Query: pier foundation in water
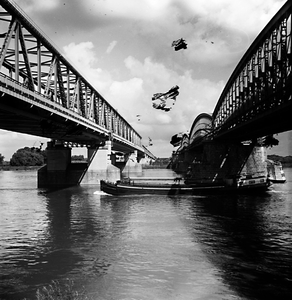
215 162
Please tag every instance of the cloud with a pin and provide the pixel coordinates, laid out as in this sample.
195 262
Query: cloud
162 118
126 96
10 142
217 32
83 57
250 15
133 9
133 96
111 47
230 25
39 5
81 54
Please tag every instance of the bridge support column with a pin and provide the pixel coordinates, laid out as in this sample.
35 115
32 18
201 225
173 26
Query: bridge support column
225 162
100 165
132 164
256 164
59 171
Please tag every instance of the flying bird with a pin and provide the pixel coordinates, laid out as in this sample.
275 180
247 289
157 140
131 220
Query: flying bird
150 141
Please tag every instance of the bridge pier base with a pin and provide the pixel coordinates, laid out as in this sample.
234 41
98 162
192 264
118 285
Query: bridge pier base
100 166
59 172
222 163
132 165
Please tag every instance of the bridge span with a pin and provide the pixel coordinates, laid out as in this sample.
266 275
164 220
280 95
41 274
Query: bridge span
255 103
42 94
256 100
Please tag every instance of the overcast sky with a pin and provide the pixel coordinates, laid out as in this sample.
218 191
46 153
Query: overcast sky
123 48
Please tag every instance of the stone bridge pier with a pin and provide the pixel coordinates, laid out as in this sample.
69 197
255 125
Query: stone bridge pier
222 163
101 165
60 172
132 164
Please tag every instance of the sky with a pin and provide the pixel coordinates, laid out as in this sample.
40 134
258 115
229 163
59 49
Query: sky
123 48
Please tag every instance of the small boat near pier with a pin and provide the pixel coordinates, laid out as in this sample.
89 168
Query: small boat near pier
275 172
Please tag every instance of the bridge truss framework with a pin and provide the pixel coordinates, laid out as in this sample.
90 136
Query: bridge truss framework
33 71
256 100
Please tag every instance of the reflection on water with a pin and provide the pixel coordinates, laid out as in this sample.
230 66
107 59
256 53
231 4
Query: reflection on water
144 247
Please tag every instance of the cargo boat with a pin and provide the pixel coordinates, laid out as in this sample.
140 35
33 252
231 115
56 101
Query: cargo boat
132 187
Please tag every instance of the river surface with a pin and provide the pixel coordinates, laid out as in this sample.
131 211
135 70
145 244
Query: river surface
144 247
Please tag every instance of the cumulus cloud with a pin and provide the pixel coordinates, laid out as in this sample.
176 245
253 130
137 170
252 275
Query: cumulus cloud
126 96
133 96
83 57
81 54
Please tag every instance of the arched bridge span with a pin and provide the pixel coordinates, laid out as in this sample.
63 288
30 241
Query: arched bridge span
42 94
256 100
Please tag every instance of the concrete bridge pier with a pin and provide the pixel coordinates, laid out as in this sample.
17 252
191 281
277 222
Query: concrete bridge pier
224 163
100 165
59 172
132 164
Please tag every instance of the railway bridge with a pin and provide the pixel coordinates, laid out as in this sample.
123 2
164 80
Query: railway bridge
255 103
42 94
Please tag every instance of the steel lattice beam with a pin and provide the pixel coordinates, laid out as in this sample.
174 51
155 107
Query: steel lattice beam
30 65
260 87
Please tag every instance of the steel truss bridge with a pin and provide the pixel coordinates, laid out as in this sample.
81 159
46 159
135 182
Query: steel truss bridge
256 100
42 94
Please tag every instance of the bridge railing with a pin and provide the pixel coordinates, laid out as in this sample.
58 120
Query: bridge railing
262 79
33 68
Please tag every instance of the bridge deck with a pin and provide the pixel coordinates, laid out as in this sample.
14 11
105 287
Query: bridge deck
42 94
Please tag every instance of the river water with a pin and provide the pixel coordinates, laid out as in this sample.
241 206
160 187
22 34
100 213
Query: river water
144 247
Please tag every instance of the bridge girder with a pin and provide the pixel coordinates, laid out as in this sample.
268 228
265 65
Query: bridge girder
256 100
39 86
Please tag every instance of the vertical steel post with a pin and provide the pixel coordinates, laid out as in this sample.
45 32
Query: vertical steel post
16 52
39 63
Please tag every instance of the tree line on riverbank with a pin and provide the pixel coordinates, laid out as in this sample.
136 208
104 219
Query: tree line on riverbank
34 157
30 157
284 160
26 157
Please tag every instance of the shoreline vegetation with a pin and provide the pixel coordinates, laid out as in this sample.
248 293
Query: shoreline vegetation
286 161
